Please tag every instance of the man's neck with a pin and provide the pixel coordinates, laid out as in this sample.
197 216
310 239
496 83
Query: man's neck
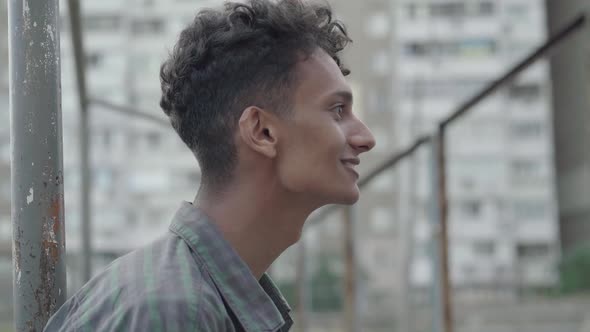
258 224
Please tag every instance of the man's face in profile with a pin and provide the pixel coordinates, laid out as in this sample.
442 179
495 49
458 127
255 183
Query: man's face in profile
321 142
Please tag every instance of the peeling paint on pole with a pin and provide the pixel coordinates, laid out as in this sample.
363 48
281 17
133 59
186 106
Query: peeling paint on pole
36 162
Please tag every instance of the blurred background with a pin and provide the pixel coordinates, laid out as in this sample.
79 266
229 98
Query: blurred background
518 167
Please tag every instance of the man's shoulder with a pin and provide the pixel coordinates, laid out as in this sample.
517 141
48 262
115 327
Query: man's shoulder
162 284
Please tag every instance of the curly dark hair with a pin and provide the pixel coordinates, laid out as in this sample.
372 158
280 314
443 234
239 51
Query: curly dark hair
240 55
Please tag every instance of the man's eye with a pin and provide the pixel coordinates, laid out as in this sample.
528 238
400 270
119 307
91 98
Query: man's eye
339 110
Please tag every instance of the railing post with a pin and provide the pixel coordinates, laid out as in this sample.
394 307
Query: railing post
407 222
84 133
444 231
442 314
38 248
351 304
434 246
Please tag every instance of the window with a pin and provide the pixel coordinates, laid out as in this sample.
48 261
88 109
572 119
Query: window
486 8
447 9
525 167
378 99
147 26
153 139
380 63
93 59
381 136
382 220
378 25
411 10
416 49
517 10
526 130
131 218
107 137
382 258
415 10
103 178
526 92
530 210
533 250
470 208
468 270
132 140
385 182
484 248
456 9
471 47
456 88
102 23
476 47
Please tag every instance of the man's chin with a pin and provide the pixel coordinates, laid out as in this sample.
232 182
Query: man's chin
342 197
349 198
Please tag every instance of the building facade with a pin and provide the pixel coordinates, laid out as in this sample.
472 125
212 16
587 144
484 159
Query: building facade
141 170
418 61
502 211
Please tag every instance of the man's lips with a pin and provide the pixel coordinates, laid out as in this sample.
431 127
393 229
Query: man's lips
350 163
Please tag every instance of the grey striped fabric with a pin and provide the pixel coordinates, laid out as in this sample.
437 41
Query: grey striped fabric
189 280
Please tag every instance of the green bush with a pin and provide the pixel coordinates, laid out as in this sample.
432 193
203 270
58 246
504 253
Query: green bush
574 271
325 288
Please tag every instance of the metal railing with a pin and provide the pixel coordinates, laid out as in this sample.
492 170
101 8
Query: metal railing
39 247
443 317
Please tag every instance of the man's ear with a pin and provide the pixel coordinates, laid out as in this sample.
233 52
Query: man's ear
258 130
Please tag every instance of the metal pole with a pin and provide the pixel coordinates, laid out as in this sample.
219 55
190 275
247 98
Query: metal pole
85 175
434 246
447 305
408 220
38 249
301 286
406 248
351 272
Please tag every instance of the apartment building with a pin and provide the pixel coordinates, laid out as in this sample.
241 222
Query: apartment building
503 228
412 62
141 171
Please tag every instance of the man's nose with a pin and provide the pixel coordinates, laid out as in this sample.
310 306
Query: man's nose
361 137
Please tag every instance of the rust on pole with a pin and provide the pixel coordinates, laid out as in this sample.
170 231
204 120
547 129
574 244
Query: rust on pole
447 306
37 201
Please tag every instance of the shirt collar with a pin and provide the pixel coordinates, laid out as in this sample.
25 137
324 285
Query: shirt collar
258 305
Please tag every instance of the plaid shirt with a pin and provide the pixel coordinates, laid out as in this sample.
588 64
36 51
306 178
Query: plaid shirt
189 280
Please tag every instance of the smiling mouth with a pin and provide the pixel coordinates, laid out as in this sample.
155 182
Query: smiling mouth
350 164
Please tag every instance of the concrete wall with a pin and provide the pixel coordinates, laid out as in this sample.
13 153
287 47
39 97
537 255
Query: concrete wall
570 70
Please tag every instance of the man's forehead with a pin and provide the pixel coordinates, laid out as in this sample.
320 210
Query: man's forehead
320 75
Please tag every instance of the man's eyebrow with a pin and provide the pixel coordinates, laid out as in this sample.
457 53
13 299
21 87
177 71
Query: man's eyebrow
346 95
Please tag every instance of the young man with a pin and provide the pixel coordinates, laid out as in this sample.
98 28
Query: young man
257 92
